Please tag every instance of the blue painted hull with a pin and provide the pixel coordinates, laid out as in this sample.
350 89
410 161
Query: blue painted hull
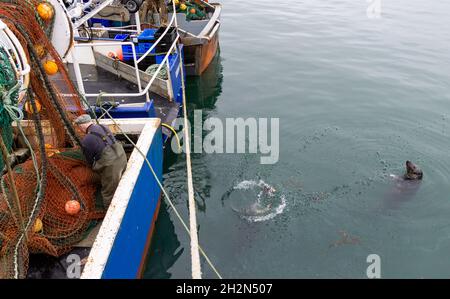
131 244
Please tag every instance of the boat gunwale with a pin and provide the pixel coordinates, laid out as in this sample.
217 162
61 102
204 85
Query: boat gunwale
104 241
203 37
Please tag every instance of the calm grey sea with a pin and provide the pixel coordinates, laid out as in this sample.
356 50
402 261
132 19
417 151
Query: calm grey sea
356 97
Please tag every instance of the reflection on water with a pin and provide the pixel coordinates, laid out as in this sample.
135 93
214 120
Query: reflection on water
165 248
202 93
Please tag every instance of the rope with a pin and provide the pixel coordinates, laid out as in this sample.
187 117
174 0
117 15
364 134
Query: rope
48 86
195 255
166 195
174 132
9 101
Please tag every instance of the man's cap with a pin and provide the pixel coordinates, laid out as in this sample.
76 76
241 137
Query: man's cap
83 119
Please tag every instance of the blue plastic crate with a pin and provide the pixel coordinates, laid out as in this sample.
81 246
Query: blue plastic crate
144 47
129 57
121 37
105 23
147 35
127 49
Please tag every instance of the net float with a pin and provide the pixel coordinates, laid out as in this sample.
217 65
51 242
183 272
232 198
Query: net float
183 6
45 11
50 150
50 67
29 108
192 11
38 226
72 207
40 50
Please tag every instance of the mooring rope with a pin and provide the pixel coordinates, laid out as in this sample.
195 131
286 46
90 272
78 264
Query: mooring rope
195 251
195 255
166 194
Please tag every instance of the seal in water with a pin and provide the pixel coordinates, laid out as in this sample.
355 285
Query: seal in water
406 186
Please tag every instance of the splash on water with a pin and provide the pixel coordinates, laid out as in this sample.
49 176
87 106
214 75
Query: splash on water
256 201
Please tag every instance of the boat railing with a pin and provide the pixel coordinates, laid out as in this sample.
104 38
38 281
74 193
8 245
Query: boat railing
143 91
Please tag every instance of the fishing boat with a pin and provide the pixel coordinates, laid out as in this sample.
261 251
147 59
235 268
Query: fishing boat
139 107
200 39
117 246
199 35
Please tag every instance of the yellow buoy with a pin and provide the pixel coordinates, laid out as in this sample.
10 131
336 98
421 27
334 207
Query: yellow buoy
50 67
177 2
29 107
38 226
50 150
183 6
45 11
40 50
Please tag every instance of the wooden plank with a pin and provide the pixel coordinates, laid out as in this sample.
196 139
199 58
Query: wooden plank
127 72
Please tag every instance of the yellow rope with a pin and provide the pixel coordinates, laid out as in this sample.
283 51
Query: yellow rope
174 132
166 195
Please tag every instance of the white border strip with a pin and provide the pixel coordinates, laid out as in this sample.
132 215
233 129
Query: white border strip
104 241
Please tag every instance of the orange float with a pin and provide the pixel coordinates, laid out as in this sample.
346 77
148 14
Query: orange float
29 108
50 67
72 207
50 150
38 226
45 11
40 50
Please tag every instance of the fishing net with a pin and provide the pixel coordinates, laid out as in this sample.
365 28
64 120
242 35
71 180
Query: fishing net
33 214
194 10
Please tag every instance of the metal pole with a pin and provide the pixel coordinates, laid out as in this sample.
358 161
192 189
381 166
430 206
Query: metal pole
138 22
76 68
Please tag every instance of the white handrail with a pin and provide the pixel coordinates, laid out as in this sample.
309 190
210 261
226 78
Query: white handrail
115 44
159 39
143 92
136 62
92 13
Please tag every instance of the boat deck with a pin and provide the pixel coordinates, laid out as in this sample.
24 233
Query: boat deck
96 80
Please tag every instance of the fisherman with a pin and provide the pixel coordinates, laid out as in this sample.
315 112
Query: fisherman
104 154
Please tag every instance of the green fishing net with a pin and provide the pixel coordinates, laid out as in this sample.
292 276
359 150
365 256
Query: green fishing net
8 94
193 10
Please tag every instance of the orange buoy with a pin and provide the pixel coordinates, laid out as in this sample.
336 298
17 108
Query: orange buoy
72 207
45 11
50 150
119 54
38 226
40 50
192 11
50 67
29 108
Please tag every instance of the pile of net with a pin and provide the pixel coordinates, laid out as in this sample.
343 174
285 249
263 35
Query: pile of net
34 194
194 10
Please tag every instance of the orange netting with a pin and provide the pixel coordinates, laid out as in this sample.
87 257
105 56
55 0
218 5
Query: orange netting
36 221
